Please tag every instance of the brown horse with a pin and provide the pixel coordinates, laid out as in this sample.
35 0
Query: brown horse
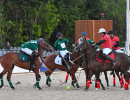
11 58
50 64
96 67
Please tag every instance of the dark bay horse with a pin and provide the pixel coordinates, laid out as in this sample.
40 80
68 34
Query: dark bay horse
96 67
11 58
50 64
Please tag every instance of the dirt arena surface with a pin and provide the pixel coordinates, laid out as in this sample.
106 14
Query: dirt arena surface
24 89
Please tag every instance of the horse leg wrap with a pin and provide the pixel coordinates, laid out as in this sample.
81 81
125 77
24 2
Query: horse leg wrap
37 83
121 83
46 81
2 82
10 83
77 84
114 81
126 85
67 77
122 79
48 77
88 83
107 83
72 83
98 84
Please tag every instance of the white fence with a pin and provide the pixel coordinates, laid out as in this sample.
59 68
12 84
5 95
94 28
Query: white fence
17 49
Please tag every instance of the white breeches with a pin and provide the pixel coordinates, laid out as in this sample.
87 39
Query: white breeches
63 53
106 50
27 51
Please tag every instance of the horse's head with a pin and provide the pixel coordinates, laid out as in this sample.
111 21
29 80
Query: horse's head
82 46
44 45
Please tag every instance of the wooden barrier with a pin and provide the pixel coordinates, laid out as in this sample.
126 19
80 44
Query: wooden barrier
91 27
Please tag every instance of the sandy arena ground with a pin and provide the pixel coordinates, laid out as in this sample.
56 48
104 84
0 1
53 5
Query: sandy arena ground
25 90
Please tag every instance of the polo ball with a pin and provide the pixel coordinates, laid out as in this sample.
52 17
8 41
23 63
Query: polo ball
68 88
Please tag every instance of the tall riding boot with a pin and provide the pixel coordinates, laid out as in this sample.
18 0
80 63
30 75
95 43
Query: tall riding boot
32 60
67 64
110 59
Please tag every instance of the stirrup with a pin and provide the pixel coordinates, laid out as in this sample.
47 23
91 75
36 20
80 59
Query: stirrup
32 66
69 67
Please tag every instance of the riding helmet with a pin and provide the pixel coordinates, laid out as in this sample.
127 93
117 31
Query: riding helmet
59 34
110 32
40 40
83 33
102 30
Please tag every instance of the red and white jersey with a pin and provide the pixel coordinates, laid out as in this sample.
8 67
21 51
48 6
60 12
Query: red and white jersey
81 40
113 42
107 43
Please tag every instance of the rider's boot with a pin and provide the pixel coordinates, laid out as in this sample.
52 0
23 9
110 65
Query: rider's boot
67 64
110 59
32 60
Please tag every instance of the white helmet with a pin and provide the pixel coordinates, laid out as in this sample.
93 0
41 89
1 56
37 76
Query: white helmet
101 30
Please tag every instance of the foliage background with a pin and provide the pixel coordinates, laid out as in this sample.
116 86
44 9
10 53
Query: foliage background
23 20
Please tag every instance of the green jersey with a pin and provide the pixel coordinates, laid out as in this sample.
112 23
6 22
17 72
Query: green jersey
61 44
33 45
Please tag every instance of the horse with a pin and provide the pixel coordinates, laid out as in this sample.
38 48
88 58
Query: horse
51 66
10 59
96 67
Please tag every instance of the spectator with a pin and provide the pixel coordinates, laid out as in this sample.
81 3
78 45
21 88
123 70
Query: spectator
8 46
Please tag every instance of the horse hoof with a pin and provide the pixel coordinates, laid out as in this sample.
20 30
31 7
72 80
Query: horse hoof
114 85
1 86
13 88
121 86
86 89
65 82
40 88
49 84
104 88
96 89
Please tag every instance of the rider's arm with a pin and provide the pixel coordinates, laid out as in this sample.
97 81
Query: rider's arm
101 42
90 41
117 44
56 45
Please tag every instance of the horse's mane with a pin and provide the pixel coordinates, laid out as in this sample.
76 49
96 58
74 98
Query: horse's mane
89 46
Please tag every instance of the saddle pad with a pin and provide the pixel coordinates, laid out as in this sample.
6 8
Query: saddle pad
58 60
23 57
107 61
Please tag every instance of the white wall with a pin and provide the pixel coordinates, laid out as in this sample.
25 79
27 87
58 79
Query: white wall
15 70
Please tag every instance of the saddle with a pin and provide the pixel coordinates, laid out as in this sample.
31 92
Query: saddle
100 58
59 60
24 57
